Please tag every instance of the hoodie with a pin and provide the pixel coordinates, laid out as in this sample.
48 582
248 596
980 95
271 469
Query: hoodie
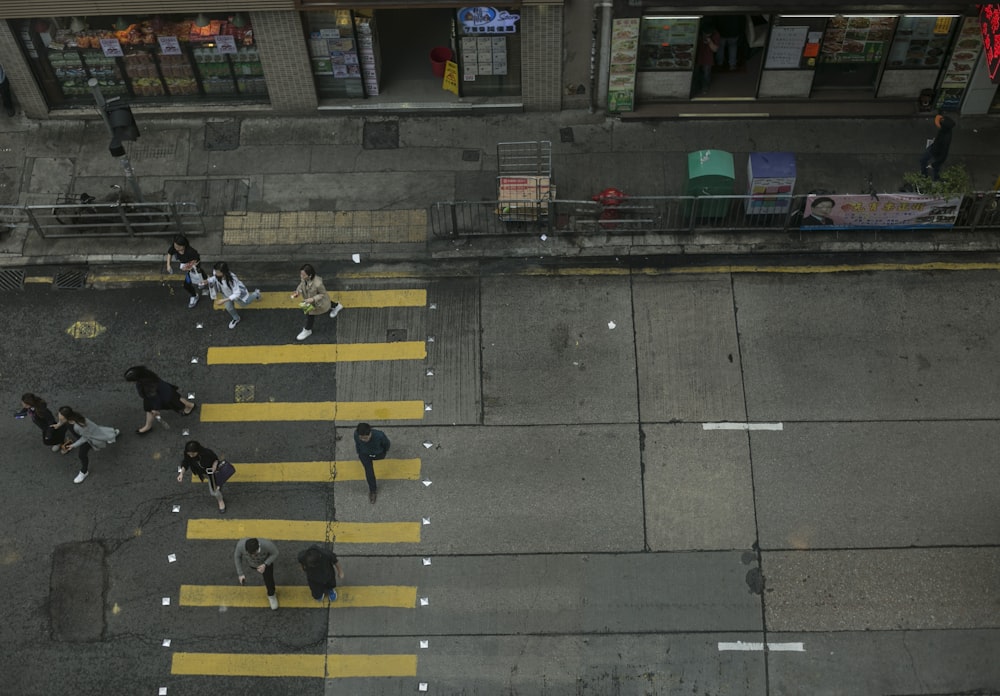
942 141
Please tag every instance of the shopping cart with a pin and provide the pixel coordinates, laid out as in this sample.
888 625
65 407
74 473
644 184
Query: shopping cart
524 181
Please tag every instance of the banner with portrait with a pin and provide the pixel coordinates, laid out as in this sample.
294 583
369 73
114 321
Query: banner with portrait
886 211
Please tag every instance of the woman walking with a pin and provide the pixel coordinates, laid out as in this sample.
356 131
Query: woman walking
34 406
89 435
232 289
315 299
203 462
156 394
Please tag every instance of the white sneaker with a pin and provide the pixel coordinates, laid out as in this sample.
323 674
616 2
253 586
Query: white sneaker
256 294
234 322
273 601
303 335
335 310
55 448
192 302
80 477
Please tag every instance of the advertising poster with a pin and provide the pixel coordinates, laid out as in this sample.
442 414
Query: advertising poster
621 82
889 211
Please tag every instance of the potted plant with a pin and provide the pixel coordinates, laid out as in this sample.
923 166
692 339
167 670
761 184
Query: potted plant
955 181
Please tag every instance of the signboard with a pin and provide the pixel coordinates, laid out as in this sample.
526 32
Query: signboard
450 81
785 50
989 24
888 211
169 45
225 44
487 20
621 78
112 48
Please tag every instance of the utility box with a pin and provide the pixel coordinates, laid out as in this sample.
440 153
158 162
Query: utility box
770 181
711 173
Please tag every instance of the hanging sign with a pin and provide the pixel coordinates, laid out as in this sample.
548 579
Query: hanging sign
487 20
989 24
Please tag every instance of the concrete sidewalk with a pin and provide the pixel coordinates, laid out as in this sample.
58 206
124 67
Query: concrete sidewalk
324 188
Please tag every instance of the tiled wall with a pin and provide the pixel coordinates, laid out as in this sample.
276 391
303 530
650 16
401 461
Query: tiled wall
541 57
285 58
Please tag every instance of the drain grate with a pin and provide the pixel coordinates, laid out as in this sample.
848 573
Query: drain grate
222 135
395 335
12 279
71 280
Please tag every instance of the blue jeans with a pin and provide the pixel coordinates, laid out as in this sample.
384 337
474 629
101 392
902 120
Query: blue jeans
730 44
255 295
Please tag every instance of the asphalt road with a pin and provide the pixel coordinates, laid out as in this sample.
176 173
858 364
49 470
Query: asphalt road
621 482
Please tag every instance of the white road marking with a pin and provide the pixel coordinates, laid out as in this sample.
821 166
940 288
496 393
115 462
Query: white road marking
742 426
759 647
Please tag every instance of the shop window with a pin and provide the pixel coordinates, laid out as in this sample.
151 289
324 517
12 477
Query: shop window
852 51
489 44
160 58
339 69
921 43
667 44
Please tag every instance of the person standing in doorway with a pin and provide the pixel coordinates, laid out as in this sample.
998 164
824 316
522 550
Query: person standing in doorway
53 434
202 462
5 95
937 152
731 30
89 435
189 262
708 44
315 299
322 570
370 444
232 289
259 554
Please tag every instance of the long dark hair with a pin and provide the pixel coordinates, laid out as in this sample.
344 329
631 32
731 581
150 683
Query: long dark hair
140 373
223 268
192 447
33 401
71 415
309 270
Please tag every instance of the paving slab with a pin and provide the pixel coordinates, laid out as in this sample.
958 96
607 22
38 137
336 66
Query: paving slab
687 349
356 191
531 360
883 589
698 488
876 485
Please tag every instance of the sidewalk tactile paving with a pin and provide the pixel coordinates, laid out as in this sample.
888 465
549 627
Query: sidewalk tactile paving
326 227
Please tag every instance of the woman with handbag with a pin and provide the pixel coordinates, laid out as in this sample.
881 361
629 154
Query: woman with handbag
232 289
53 434
315 299
207 466
156 394
189 261
89 435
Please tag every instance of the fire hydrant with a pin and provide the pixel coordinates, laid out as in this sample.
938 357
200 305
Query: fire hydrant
609 198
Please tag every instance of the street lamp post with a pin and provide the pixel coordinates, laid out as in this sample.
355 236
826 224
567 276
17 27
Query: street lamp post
121 126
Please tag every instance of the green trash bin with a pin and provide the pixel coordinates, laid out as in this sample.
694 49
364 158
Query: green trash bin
710 173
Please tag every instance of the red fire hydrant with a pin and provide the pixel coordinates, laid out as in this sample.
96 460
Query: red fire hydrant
609 198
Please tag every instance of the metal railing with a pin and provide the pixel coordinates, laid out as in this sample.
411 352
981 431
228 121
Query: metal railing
93 219
979 211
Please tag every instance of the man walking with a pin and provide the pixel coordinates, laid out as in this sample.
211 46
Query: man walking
370 444
259 554
322 569
937 152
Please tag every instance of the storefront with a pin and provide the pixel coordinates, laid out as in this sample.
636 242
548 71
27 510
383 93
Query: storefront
658 57
147 58
397 54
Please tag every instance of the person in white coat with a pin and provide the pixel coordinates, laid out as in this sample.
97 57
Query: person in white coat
89 435
232 290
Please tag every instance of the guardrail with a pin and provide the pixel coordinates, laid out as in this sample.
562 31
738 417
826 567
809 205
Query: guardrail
78 220
657 214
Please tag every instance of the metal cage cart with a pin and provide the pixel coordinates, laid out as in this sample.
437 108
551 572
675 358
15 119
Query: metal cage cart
524 181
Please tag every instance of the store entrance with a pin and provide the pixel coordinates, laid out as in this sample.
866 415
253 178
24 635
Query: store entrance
406 38
736 66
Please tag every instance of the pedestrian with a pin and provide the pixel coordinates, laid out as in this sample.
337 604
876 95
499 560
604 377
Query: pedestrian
232 289
731 31
370 444
5 96
89 435
322 570
315 299
937 151
189 262
259 554
204 463
707 46
53 434
156 394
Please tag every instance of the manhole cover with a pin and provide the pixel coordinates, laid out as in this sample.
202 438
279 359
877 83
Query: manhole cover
395 335
244 393
381 135
566 135
12 279
71 280
470 155
222 135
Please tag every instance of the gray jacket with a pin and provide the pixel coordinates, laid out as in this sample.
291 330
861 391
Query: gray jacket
97 436
266 554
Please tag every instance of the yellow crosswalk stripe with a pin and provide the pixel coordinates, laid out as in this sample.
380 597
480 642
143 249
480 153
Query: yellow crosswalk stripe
319 666
306 530
351 299
313 411
318 472
316 353
298 597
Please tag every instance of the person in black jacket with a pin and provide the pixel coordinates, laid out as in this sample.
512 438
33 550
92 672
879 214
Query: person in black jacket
202 462
370 444
322 569
937 152
53 434
189 260
156 394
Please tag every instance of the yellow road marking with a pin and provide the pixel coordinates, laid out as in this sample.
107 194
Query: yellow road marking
313 411
319 472
86 329
316 353
351 299
38 279
319 666
307 530
298 597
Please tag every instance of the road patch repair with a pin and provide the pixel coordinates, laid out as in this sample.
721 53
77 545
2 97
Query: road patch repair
76 592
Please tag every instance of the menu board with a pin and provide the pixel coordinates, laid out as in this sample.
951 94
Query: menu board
856 39
920 43
785 47
621 80
667 43
963 59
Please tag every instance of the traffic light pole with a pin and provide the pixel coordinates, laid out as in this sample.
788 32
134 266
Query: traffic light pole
130 177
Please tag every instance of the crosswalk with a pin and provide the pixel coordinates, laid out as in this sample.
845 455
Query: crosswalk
337 533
